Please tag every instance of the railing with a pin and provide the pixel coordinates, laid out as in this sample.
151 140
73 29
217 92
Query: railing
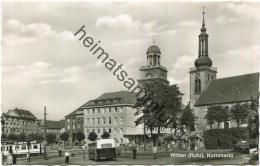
153 66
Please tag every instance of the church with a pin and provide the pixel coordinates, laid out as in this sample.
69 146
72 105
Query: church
208 90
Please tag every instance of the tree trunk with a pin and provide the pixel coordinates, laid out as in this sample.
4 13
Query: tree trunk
210 126
238 124
159 132
218 124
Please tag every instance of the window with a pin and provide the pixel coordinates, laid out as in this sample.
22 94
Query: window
87 121
115 120
87 130
98 120
104 130
197 86
121 120
98 110
88 111
98 130
104 120
109 109
93 110
93 120
109 130
109 120
208 77
68 120
93 130
212 76
23 146
121 130
115 109
35 146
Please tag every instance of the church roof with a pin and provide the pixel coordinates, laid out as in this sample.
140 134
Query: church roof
153 49
229 90
113 98
21 114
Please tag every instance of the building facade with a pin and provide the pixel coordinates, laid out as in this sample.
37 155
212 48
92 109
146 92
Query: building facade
18 121
114 113
52 126
74 123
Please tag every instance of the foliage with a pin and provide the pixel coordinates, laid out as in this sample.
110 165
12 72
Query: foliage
21 137
80 136
3 136
105 135
253 118
64 136
50 138
159 107
187 118
12 136
92 136
239 113
216 114
224 138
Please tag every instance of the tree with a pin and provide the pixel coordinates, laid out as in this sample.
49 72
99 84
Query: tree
50 138
21 137
187 118
64 137
105 135
12 136
239 113
92 136
216 114
159 107
80 136
3 136
253 118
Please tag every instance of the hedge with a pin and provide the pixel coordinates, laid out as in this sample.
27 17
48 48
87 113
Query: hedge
224 138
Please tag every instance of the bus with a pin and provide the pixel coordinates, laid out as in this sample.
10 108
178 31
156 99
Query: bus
21 148
102 149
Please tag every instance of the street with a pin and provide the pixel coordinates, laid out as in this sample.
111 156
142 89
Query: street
142 158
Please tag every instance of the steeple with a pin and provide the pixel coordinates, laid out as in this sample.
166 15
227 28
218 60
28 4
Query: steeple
203 57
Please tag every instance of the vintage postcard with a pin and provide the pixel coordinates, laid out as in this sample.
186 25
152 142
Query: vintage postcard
143 82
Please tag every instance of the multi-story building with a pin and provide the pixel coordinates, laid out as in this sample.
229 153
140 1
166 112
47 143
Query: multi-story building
52 126
18 121
74 123
112 112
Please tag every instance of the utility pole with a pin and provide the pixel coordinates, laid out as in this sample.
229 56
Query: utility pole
45 156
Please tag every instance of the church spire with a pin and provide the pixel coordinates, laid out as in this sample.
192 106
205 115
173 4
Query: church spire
203 21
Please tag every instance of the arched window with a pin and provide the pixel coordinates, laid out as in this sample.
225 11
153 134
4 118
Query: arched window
149 75
197 86
227 111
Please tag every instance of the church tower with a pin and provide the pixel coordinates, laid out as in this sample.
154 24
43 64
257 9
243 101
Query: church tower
203 72
153 70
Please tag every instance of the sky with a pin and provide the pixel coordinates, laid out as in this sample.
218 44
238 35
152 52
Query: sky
44 64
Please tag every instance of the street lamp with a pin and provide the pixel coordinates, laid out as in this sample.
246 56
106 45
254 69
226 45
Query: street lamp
83 147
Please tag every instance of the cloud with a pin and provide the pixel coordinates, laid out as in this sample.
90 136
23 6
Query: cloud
16 32
226 20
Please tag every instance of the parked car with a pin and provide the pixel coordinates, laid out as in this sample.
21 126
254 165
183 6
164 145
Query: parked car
241 145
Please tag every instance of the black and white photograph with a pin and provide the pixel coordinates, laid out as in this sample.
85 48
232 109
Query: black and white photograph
141 82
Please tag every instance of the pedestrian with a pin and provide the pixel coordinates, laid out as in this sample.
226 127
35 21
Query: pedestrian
134 152
9 159
14 158
67 157
28 157
154 151
59 149
11 150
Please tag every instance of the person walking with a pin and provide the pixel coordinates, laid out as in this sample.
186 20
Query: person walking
134 152
14 158
9 160
154 151
59 149
67 157
28 157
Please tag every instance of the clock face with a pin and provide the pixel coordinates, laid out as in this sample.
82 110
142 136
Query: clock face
197 75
